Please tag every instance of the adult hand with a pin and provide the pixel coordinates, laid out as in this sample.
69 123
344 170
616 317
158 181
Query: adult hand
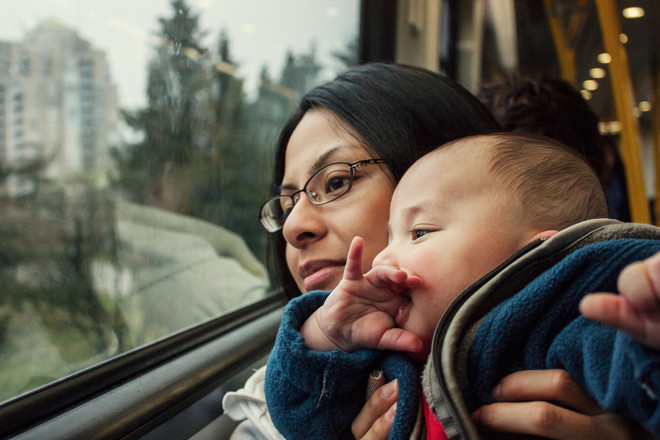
637 309
360 311
526 407
375 420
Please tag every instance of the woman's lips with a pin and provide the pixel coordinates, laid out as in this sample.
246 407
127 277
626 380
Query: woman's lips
317 275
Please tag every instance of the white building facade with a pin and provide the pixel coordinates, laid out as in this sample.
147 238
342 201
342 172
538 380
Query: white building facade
59 111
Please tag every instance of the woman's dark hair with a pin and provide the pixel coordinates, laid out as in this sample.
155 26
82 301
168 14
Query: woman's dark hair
554 108
399 112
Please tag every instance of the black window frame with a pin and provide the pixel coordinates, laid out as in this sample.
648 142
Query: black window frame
128 396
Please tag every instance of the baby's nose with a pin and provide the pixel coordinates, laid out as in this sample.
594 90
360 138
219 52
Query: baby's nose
386 256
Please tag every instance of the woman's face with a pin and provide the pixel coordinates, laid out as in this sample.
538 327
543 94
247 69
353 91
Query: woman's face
318 236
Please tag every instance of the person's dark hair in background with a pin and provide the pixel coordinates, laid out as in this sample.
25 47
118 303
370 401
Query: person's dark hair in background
399 112
553 108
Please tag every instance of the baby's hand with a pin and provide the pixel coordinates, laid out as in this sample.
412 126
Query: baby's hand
360 312
637 309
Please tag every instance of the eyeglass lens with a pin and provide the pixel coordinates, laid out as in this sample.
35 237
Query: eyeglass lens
326 185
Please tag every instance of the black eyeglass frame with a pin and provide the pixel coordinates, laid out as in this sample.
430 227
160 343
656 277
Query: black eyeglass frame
278 224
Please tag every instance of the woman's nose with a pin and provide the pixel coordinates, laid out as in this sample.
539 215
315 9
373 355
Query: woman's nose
304 223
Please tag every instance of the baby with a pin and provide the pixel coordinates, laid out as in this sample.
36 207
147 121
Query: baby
456 216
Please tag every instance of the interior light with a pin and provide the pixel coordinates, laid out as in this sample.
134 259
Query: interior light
636 112
633 12
590 84
603 127
645 106
604 58
586 94
597 72
614 127
623 38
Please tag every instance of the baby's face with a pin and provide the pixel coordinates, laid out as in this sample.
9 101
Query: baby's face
449 225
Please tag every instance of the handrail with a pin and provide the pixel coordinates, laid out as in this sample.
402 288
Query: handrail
655 109
624 98
565 53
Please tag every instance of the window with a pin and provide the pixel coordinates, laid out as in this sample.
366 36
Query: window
138 217
25 65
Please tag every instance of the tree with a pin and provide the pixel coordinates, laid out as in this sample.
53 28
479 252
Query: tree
169 122
348 56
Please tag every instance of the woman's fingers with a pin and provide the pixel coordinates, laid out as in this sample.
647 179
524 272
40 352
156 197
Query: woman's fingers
636 284
552 421
381 428
373 419
546 385
615 311
533 418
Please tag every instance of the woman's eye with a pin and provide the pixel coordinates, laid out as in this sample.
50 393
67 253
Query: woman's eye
335 184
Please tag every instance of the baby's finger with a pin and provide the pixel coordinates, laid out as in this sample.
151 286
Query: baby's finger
399 339
386 276
353 268
413 282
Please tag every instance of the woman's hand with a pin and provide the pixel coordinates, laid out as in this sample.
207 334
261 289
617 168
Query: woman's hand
637 309
525 407
374 421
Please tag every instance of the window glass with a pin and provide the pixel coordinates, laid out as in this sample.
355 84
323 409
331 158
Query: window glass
136 144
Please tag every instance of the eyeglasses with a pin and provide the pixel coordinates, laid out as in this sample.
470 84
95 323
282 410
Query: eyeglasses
324 186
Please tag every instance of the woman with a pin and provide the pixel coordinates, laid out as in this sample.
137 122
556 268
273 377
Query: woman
377 120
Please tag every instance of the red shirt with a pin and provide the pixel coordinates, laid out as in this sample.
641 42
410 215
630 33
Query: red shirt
434 430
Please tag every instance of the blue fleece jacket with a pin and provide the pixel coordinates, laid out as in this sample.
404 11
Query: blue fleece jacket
541 328
314 394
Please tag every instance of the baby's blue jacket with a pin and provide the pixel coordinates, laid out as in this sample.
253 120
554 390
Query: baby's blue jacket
541 328
314 394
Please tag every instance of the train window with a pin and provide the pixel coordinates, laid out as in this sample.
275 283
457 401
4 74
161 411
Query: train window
135 150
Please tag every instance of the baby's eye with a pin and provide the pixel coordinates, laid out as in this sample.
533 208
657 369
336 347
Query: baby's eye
417 233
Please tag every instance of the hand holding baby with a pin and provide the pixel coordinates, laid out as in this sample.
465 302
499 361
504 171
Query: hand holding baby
637 309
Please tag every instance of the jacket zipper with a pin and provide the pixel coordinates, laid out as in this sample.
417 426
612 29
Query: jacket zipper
454 305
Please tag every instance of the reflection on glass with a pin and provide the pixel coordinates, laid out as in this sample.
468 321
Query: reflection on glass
123 220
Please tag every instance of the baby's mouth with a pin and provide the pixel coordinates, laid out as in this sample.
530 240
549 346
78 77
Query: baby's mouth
404 310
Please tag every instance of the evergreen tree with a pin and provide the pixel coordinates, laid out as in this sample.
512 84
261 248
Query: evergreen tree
348 56
170 121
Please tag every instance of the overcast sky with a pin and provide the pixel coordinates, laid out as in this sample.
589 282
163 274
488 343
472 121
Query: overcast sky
260 31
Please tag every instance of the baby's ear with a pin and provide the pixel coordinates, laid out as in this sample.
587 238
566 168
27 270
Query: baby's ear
544 234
